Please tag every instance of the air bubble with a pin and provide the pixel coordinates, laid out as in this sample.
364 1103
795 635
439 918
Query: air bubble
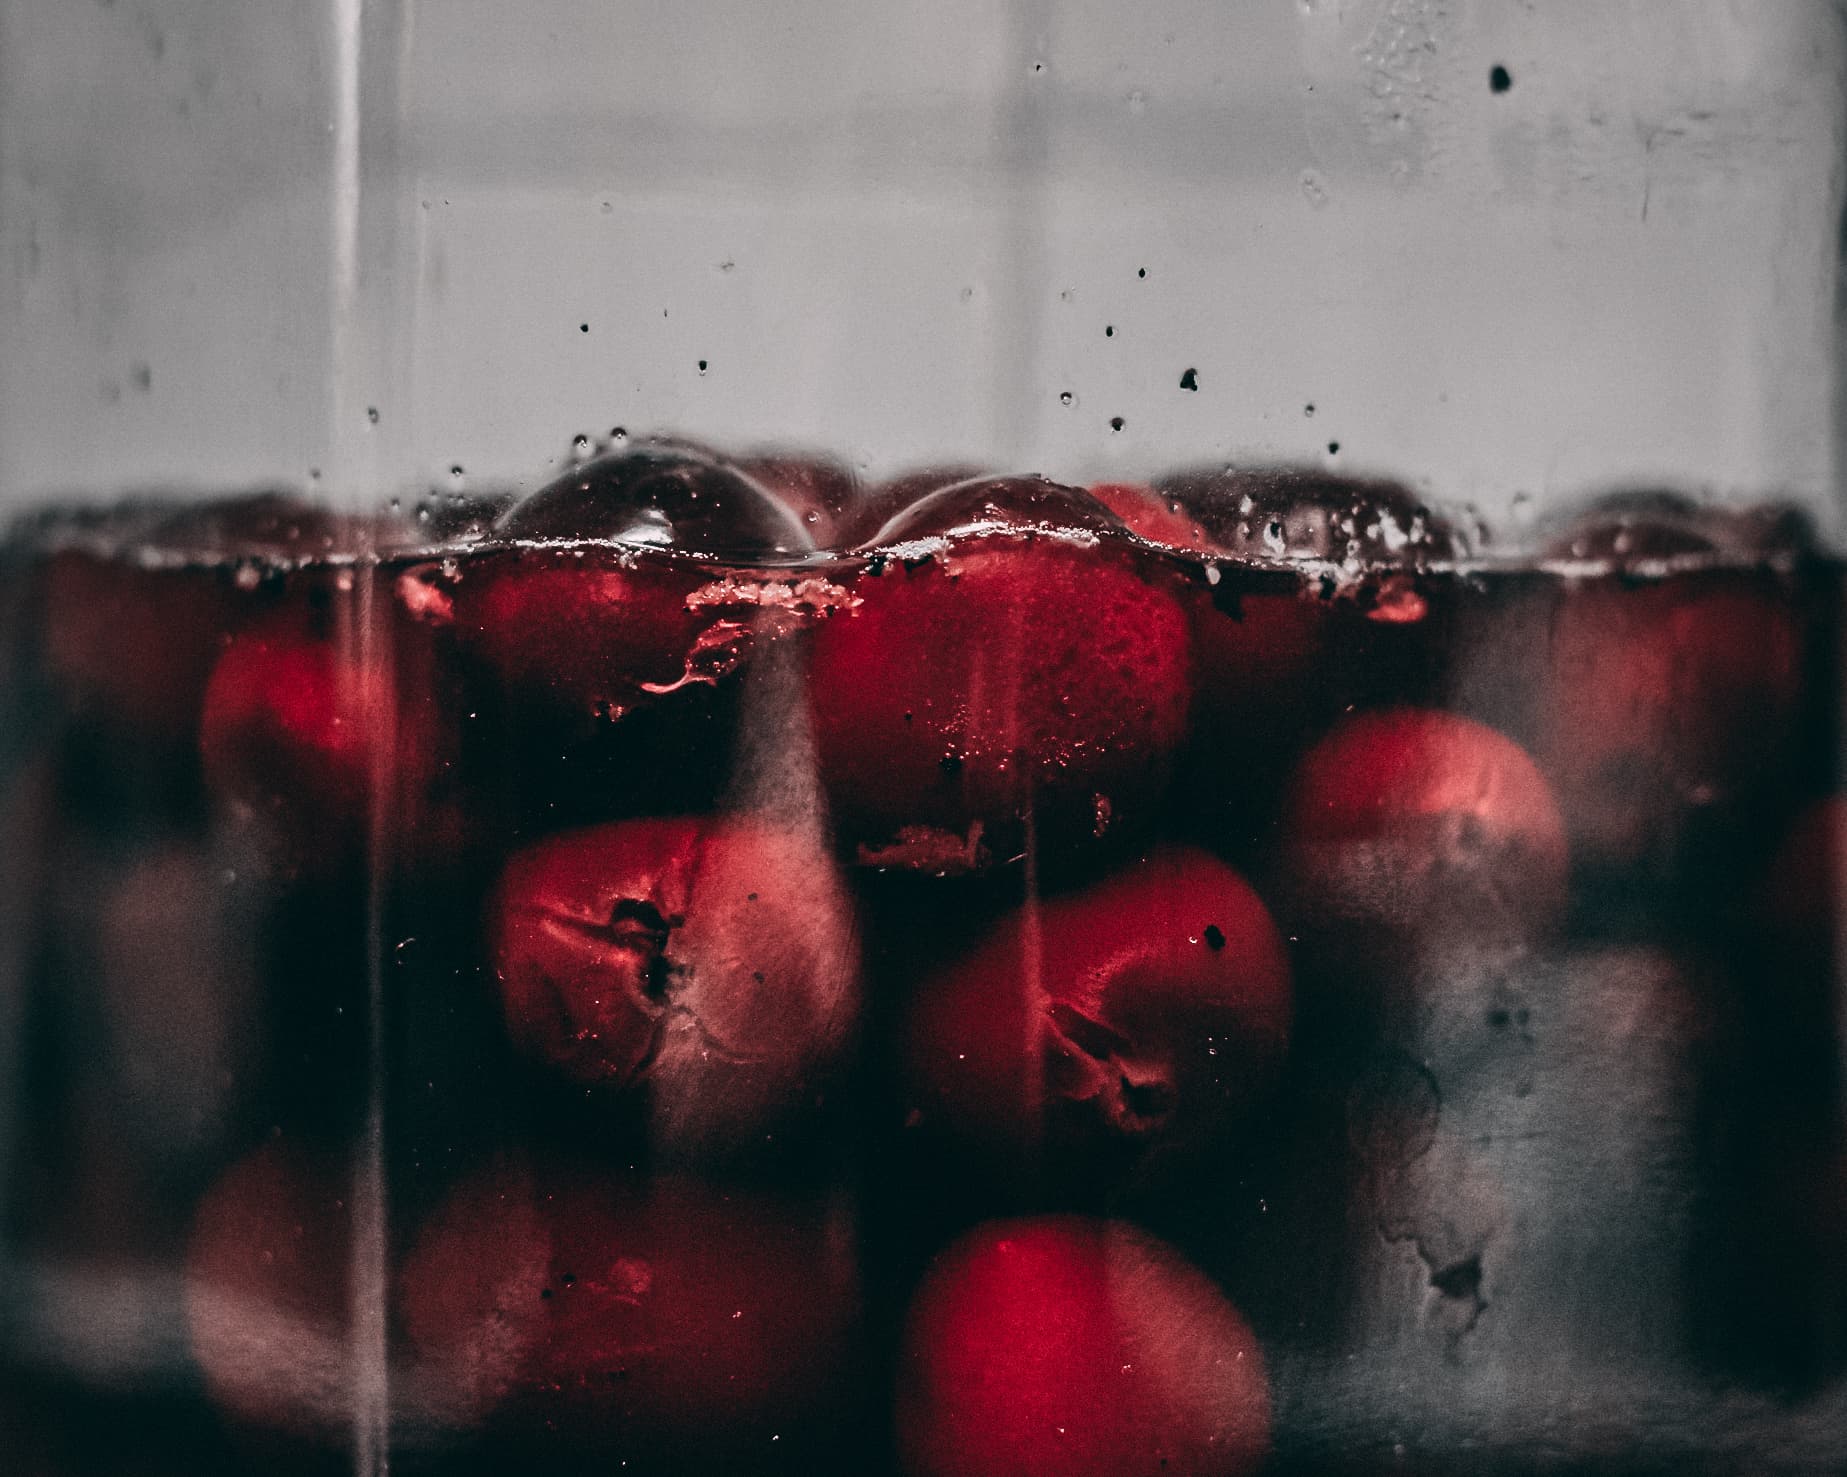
372 414
1067 398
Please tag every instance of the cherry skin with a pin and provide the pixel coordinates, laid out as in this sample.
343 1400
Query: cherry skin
660 1320
628 606
1412 826
1141 1011
711 963
1664 704
1001 666
1063 1346
308 722
134 646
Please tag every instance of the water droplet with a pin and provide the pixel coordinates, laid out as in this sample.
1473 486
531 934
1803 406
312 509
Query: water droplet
580 446
702 366
1067 398
1309 410
1333 448
1273 539
618 434
1141 271
1109 330
583 328
1115 423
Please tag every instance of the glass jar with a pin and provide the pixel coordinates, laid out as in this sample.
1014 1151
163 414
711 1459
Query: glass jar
986 739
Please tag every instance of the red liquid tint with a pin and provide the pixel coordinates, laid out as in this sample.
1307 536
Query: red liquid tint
1156 979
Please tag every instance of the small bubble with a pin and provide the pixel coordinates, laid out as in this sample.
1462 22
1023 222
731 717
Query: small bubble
372 414
607 207
1499 78
583 328
1190 380
1138 101
1309 410
1333 448
1038 67
1109 330
1314 188
618 434
1067 398
1115 423
314 474
1141 271
581 447
702 366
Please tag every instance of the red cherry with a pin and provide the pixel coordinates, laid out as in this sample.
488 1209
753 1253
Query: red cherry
1154 517
1661 702
641 1318
1069 1347
879 504
711 961
820 491
1141 1010
1011 670
133 645
1665 700
307 722
267 1304
579 633
1412 825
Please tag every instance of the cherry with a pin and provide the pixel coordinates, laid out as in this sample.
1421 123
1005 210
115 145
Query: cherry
655 1319
1302 514
1141 1010
817 489
1069 1347
1408 827
711 962
267 1304
595 632
998 667
878 504
1659 708
312 715
132 645
666 496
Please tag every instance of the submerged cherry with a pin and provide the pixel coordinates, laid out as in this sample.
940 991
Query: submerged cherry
710 963
1068 1347
1409 827
1000 666
659 1320
1142 1011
